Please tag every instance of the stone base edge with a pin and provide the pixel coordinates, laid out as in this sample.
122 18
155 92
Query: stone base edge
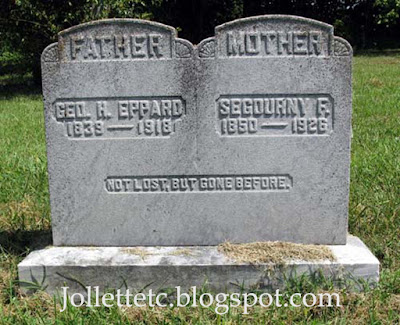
167 267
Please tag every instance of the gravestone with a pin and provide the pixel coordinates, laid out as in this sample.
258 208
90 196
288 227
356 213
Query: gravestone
152 141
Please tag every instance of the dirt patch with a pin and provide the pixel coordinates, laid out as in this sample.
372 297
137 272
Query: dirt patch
275 252
23 215
376 82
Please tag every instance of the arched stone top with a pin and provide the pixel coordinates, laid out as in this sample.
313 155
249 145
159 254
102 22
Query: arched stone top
342 47
207 48
274 35
273 20
117 39
50 53
136 39
183 48
123 22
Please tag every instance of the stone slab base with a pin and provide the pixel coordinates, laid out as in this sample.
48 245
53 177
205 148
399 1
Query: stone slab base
166 267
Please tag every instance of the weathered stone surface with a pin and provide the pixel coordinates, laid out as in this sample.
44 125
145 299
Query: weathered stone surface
152 141
167 267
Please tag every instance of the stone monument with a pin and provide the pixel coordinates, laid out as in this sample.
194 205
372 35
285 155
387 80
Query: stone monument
155 142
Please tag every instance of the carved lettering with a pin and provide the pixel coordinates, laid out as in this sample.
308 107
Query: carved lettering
124 46
274 115
113 118
194 183
274 43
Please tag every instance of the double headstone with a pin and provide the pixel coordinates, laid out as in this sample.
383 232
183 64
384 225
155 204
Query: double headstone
152 141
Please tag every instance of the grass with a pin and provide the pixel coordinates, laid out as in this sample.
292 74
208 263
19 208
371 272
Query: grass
374 213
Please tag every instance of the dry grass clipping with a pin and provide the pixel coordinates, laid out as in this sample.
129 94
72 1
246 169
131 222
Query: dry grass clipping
274 252
182 251
137 251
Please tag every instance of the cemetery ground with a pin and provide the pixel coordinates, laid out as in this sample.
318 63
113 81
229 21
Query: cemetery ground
374 212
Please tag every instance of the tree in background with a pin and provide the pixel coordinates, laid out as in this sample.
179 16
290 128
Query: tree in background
28 26
387 21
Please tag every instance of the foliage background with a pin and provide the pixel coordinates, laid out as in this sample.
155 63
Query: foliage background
28 26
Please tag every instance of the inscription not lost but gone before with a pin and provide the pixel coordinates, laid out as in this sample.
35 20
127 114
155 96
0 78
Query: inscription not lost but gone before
195 183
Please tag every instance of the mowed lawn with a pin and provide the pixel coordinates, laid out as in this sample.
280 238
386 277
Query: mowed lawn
374 213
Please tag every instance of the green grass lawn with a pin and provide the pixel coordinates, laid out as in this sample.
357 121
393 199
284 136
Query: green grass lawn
374 212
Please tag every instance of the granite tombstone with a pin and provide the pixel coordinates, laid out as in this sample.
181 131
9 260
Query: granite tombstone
152 141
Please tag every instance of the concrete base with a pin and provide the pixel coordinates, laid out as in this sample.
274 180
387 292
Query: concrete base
167 267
